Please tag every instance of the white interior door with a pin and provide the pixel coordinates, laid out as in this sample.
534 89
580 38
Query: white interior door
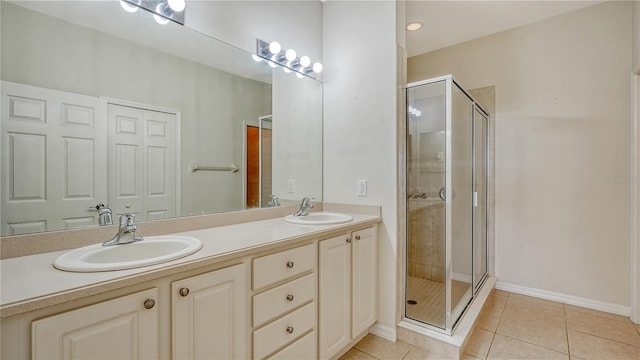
142 162
53 151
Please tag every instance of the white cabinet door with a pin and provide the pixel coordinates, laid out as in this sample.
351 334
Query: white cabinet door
364 279
334 295
54 152
142 162
122 328
209 315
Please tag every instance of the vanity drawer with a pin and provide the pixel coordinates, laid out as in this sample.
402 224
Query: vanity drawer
273 268
279 300
283 331
303 349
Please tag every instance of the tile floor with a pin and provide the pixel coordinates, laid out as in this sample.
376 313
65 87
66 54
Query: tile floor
513 326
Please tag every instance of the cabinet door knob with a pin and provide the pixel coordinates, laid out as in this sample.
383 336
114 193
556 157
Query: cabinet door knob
349 240
290 297
149 304
290 264
290 329
184 291
357 237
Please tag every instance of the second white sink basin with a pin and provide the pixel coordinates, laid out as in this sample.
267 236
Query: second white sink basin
150 251
319 218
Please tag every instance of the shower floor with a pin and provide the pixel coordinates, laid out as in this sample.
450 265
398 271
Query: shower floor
430 298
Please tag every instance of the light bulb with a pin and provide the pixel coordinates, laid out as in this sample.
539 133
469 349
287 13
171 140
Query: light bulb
317 68
305 61
418 112
256 58
128 7
160 20
299 75
177 5
286 69
290 54
273 62
275 47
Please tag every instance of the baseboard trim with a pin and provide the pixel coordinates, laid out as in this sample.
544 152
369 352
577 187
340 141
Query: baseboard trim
565 299
383 331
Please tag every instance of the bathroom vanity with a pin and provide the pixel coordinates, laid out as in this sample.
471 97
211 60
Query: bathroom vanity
264 289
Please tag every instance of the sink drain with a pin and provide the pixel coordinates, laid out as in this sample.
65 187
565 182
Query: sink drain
412 302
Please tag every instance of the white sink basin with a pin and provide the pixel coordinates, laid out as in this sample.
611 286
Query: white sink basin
150 251
319 218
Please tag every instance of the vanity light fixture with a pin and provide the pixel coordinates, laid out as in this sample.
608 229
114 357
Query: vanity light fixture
163 10
289 60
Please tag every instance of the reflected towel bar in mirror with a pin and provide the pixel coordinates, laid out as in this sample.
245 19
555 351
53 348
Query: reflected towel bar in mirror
195 167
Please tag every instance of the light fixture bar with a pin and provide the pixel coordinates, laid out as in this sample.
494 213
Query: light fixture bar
166 9
288 59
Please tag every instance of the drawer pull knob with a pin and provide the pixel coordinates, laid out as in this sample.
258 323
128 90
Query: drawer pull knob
357 237
290 264
184 292
349 240
290 329
149 304
290 297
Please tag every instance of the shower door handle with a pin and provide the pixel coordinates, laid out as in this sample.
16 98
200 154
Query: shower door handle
443 194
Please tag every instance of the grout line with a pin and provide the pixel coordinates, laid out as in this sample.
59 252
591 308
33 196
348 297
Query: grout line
530 343
566 330
604 338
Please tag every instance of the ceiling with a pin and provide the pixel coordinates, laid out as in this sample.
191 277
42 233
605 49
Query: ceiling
452 22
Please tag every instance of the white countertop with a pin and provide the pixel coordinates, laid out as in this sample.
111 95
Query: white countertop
31 282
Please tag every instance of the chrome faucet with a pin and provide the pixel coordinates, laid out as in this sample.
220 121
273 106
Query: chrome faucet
104 215
305 206
274 201
126 232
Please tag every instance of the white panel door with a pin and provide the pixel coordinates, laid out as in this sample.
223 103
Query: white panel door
53 154
142 162
364 279
334 295
123 328
209 315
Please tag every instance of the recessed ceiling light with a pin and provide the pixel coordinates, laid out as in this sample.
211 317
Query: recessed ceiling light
414 26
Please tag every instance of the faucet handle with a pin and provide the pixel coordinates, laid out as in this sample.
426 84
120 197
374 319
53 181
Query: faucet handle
127 219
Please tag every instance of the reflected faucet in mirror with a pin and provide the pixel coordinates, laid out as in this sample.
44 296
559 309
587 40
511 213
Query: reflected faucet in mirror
274 201
126 232
104 215
305 206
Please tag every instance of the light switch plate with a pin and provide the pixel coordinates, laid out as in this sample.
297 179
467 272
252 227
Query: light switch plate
361 189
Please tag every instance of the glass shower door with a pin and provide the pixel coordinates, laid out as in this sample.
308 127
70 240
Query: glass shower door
425 277
460 202
480 195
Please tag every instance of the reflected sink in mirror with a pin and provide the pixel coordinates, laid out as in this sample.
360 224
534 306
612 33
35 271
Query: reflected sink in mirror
319 218
150 251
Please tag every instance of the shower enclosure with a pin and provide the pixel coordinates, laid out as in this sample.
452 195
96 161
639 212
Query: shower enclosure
446 207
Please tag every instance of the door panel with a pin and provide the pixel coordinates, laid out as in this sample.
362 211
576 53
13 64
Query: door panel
53 156
142 162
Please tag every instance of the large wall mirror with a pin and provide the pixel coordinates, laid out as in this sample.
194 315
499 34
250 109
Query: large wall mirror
102 106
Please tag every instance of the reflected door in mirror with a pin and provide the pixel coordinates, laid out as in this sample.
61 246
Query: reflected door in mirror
53 159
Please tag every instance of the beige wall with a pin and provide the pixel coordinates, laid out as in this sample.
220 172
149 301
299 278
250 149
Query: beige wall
636 37
562 147
84 61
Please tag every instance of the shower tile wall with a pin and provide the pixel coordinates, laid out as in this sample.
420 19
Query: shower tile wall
426 240
426 216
